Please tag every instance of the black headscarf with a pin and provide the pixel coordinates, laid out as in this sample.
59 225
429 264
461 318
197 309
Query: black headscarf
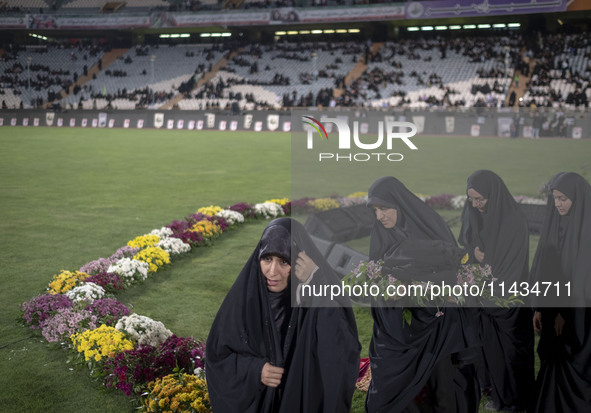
500 232
404 357
415 218
563 255
319 350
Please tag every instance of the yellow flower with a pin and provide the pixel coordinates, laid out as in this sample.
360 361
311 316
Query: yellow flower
324 204
206 228
102 342
281 201
177 394
209 210
465 259
155 257
143 241
357 195
65 281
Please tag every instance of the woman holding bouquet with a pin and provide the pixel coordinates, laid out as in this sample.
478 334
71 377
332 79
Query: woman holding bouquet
418 366
265 353
495 232
564 321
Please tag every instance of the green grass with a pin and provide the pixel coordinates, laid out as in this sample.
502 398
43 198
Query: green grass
442 165
69 196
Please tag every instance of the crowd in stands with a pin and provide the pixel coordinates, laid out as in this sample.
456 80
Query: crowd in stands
562 72
412 72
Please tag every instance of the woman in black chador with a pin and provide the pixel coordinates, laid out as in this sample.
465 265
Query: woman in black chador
264 355
416 367
494 231
564 255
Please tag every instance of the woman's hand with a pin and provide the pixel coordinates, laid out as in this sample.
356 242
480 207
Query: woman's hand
559 324
479 255
538 321
304 267
271 375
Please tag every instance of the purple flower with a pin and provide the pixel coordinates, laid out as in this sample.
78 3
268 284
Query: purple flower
301 206
192 238
194 218
42 307
124 252
67 321
374 270
286 208
131 371
179 227
96 266
108 310
109 281
442 201
244 208
220 222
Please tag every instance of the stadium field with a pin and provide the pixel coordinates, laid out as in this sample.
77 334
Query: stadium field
69 196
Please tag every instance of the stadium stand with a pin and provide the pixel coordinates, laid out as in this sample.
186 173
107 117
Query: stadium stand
421 71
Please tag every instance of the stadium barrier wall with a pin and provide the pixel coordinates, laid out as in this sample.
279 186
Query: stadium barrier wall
485 122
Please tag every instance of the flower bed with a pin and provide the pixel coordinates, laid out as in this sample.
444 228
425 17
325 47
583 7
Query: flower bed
133 353
130 352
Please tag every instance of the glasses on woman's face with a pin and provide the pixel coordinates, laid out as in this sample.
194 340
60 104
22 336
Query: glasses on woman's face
477 201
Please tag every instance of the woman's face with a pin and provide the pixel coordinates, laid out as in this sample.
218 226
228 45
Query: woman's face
386 216
477 200
276 271
561 202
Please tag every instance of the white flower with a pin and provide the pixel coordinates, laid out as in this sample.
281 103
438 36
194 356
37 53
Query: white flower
88 292
529 200
232 217
269 209
162 233
130 270
199 372
173 246
143 329
458 201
